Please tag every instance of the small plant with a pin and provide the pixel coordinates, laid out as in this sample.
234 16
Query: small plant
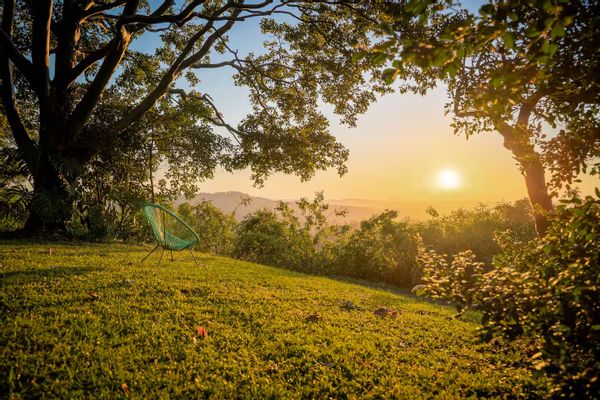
458 281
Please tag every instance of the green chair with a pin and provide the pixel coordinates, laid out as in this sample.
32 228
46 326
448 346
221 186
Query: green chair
170 231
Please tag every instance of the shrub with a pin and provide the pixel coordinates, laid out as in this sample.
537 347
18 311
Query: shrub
474 229
266 238
381 249
281 238
546 290
215 229
458 281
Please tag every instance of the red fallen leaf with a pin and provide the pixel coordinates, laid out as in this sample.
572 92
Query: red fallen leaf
200 331
124 388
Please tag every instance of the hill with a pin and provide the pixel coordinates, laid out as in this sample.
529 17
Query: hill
90 320
358 209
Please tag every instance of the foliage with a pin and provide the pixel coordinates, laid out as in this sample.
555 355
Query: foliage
282 238
265 238
87 318
215 229
546 290
458 282
525 69
475 229
381 249
100 96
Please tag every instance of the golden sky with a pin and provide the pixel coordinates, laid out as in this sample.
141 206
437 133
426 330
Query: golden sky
397 152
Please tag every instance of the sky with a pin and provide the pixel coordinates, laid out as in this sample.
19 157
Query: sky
400 149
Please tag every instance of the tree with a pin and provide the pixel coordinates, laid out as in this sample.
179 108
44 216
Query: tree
65 113
528 70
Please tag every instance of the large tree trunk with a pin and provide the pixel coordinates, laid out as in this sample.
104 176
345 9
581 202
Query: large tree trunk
539 197
517 140
51 204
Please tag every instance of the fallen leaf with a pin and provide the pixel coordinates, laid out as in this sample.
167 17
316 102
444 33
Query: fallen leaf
386 312
93 294
312 317
200 331
349 306
124 388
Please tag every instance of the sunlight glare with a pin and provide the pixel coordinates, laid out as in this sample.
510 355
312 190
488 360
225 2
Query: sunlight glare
448 179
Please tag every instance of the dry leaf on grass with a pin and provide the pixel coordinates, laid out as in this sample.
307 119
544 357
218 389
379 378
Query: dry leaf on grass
312 317
200 331
385 312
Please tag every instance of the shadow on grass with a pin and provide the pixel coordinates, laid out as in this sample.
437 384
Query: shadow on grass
30 275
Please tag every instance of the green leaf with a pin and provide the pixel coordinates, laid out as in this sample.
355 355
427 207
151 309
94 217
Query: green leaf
389 75
509 40
356 57
557 31
497 81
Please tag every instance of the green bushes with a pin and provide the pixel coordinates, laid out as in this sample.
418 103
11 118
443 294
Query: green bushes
546 290
474 229
458 281
215 229
265 238
381 249
280 238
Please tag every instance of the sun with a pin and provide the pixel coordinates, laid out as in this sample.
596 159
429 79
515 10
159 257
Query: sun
448 179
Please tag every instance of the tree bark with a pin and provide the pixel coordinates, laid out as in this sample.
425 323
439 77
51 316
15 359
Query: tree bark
517 140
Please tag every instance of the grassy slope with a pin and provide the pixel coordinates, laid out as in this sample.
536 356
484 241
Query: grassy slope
88 319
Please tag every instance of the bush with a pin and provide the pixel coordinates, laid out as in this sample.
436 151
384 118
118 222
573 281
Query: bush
266 238
458 281
546 290
280 238
381 249
215 229
474 229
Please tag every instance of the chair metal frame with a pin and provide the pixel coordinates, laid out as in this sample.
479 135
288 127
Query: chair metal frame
162 242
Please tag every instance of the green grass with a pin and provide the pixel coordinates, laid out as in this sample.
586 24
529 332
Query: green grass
83 320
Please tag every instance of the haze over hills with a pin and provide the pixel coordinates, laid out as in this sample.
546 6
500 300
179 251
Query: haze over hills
357 209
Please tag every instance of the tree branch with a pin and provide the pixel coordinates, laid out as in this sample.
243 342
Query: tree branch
10 51
84 109
17 128
157 17
102 7
67 33
220 121
182 62
40 47
528 107
92 58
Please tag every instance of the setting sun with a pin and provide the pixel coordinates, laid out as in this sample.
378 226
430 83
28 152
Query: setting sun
448 179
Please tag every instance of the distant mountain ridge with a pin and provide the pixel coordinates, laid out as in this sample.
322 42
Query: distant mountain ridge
357 209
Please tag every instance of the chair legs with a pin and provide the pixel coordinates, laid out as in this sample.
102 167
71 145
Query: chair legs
163 252
192 253
148 255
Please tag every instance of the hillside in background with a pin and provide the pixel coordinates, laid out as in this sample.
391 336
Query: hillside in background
358 209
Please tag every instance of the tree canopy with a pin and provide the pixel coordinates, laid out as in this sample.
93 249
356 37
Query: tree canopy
528 70
76 95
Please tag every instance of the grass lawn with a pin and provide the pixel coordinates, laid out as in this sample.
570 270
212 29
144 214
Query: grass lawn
91 321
